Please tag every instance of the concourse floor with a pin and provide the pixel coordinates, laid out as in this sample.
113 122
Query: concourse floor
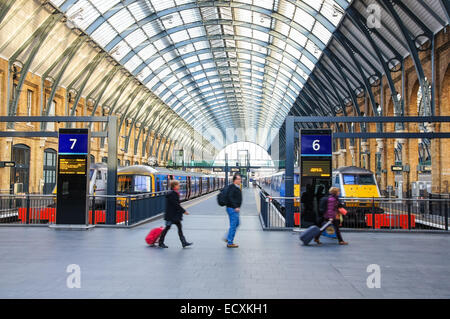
117 263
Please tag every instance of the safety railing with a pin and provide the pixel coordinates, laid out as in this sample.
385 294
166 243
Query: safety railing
27 209
365 213
41 209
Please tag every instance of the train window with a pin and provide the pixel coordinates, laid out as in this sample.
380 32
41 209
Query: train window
337 181
349 179
363 179
124 184
142 184
366 179
91 172
99 175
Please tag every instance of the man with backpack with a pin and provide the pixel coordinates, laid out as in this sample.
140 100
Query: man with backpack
231 197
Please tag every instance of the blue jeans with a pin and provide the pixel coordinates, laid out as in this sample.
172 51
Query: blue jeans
234 224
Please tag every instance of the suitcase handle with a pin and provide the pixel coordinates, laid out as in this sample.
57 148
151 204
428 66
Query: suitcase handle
328 223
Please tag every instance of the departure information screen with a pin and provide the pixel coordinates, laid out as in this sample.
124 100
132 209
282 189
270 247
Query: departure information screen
316 168
73 166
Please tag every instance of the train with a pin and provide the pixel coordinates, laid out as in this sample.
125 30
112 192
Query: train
358 186
137 179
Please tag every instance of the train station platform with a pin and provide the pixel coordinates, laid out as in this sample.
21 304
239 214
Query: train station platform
117 263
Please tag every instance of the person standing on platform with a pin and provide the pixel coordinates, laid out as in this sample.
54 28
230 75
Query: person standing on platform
174 214
332 215
234 202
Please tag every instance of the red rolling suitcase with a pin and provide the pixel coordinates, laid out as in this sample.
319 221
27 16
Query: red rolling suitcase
153 235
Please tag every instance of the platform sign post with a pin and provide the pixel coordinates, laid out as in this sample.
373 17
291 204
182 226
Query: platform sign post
314 173
73 176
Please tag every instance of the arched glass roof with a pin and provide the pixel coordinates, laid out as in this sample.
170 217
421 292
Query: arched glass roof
223 63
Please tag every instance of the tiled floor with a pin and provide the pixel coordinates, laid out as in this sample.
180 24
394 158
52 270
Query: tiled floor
117 263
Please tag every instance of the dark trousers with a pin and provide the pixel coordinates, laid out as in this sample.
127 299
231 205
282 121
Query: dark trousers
166 229
335 224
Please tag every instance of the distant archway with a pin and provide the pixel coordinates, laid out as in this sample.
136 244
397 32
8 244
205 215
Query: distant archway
243 152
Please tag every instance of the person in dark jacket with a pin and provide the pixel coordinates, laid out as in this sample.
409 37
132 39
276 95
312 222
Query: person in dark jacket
332 215
174 214
234 202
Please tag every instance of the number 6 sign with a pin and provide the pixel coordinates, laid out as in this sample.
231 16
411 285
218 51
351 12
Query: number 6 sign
315 145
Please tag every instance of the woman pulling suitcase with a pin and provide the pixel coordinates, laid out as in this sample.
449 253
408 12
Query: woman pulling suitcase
332 214
174 214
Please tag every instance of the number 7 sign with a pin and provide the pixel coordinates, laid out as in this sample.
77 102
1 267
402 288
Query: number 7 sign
73 143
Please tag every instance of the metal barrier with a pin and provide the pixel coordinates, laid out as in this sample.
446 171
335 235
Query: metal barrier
369 213
27 209
41 209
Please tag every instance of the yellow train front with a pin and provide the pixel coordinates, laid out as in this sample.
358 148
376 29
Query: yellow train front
359 194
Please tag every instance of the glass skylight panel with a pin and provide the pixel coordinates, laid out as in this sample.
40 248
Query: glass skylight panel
292 51
282 28
261 35
209 13
171 20
139 10
82 14
190 60
135 38
144 73
225 13
170 56
205 56
152 28
199 45
312 48
190 15
179 36
155 64
120 50
321 32
104 34
196 32
332 13
104 5
304 19
161 44
307 62
161 5
121 20
147 52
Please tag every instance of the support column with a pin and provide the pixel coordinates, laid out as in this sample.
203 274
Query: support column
382 177
112 170
289 179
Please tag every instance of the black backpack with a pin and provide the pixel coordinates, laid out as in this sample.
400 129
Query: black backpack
222 196
323 205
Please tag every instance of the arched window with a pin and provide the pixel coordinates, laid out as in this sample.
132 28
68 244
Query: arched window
49 170
20 174
104 159
127 162
92 158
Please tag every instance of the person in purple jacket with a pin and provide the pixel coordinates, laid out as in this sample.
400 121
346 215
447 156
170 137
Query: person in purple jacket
331 214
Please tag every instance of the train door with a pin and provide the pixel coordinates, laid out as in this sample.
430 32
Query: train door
188 187
158 183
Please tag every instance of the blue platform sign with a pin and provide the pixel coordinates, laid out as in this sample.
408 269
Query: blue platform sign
73 143
316 145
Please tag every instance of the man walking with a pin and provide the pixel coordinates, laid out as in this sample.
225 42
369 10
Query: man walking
234 201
